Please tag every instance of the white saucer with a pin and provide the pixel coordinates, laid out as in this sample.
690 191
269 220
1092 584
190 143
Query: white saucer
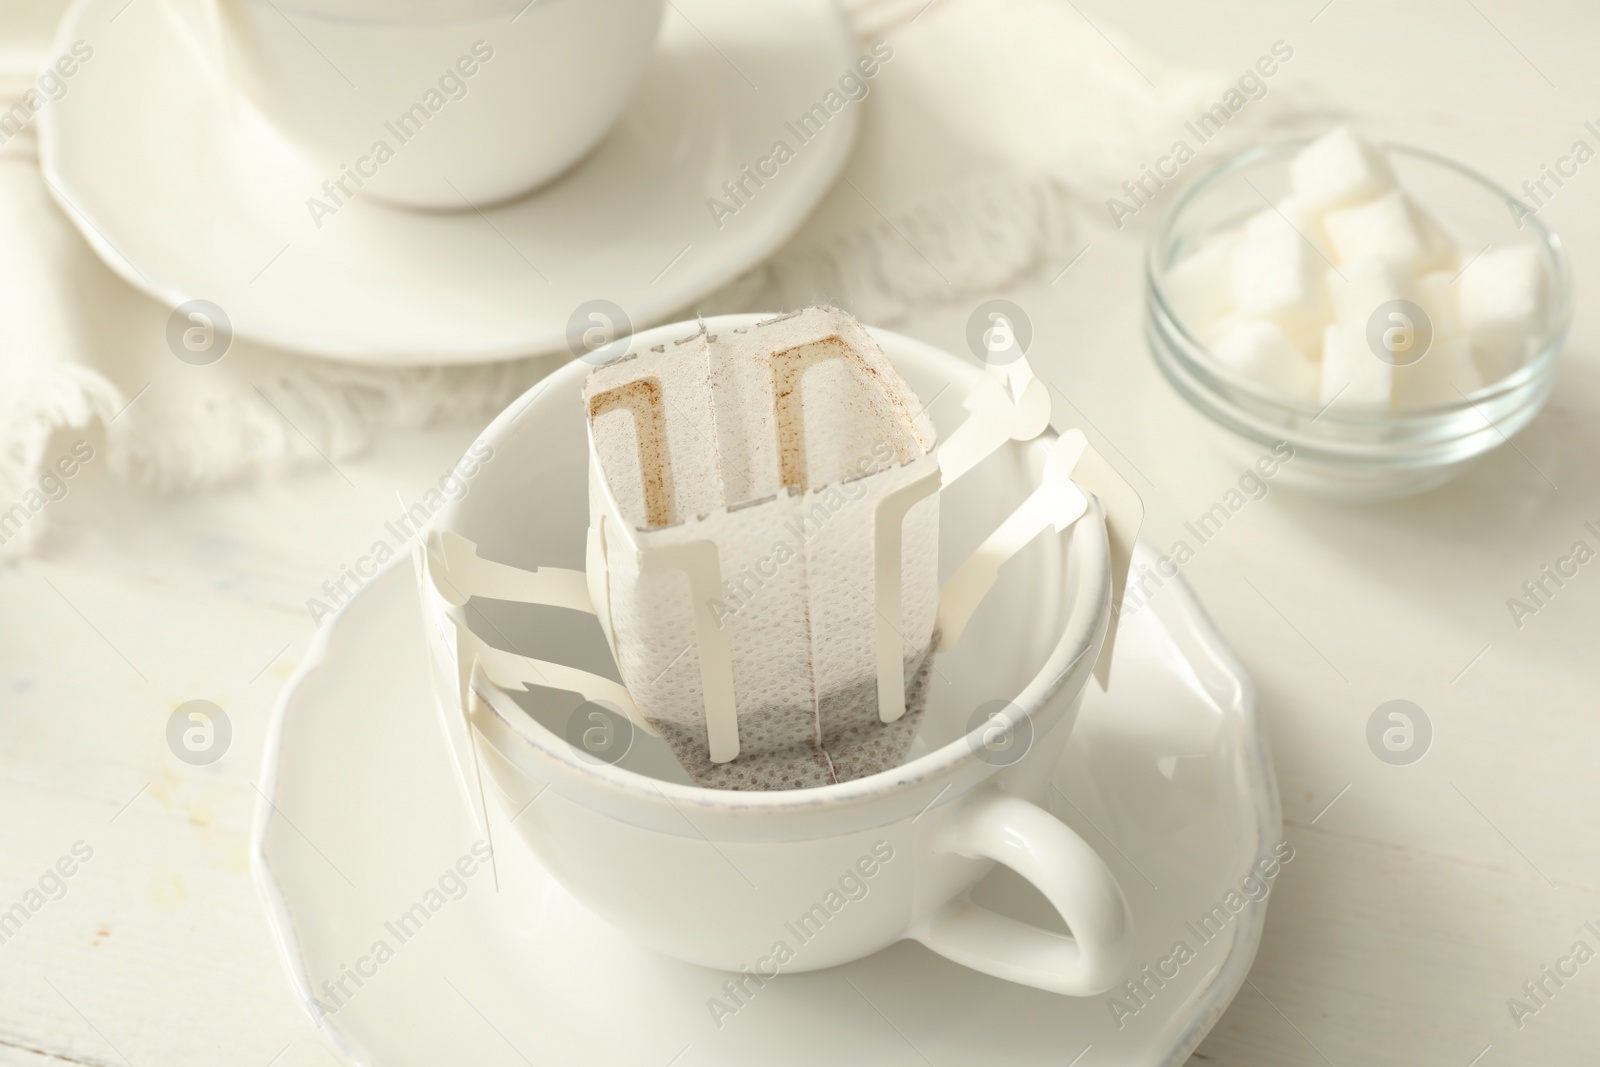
187 197
365 816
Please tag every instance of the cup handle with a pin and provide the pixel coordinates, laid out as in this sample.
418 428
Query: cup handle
1072 877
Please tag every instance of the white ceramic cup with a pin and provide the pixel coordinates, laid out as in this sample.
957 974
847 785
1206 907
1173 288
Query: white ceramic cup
767 883
472 102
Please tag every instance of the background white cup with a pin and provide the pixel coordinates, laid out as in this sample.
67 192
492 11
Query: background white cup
474 102
723 878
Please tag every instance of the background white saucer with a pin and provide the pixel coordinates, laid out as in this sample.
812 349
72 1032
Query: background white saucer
1167 776
187 197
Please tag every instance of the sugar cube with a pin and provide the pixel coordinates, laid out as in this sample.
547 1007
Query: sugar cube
1351 373
1437 296
1197 286
1292 213
1445 375
1339 169
1438 250
1503 306
1388 227
1358 289
1261 350
1277 275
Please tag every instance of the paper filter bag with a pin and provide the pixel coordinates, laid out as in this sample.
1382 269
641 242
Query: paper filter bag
763 548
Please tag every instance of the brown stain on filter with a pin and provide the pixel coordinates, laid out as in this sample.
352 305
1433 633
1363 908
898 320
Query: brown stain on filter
642 399
788 405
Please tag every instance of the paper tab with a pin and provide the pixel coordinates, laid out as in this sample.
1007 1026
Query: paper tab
467 574
1124 515
698 560
1056 502
887 557
1009 404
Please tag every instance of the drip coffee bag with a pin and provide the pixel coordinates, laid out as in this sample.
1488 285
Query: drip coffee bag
763 548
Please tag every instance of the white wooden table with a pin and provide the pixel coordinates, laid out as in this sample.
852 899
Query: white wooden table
1422 897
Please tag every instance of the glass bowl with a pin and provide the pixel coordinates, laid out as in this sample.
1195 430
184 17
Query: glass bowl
1353 453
